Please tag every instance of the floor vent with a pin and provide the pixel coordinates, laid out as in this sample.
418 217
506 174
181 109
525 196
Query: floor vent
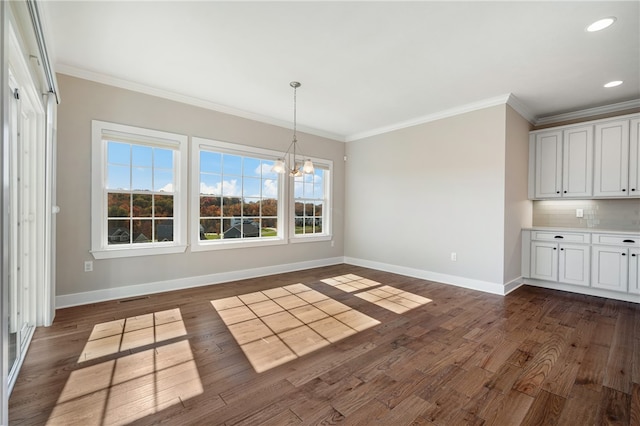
133 299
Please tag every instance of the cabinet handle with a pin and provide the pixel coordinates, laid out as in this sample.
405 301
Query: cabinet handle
624 254
633 189
559 236
623 190
565 192
554 248
557 192
561 249
633 255
628 241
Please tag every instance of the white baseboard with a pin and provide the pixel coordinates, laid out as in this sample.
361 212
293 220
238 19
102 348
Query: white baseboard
513 284
486 286
75 299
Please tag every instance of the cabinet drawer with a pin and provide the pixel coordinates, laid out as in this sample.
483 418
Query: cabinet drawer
561 237
617 240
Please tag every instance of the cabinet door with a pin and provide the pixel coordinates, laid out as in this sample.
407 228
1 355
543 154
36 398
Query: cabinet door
548 164
544 261
573 264
609 268
634 271
577 162
611 161
634 159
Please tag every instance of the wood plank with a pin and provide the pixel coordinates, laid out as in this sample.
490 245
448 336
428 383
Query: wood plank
614 407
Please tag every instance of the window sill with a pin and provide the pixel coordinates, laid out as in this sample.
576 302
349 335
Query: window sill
235 244
310 238
114 253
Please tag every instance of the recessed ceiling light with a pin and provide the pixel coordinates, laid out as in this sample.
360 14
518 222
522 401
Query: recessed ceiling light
601 24
613 83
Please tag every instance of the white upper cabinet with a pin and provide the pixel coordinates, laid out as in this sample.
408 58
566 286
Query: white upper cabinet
597 159
564 163
577 164
548 151
634 158
611 174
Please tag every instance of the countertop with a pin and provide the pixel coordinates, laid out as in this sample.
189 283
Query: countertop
583 230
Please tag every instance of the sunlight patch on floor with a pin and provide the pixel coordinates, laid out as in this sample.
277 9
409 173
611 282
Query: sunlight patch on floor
130 386
281 324
128 333
387 297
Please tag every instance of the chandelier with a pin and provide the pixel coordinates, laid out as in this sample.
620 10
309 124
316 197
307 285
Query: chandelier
291 163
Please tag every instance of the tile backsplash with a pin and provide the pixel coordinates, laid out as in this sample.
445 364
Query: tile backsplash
623 215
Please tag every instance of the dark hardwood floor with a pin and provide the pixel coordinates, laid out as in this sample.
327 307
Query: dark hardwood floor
344 351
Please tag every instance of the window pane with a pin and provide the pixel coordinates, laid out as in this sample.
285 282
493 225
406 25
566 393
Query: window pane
318 225
299 208
142 206
267 165
251 167
231 165
119 205
118 153
163 180
318 209
251 228
231 206
298 189
118 177
141 179
251 187
269 207
270 188
141 156
210 229
308 190
231 187
118 231
163 205
163 158
251 207
209 206
269 227
164 230
230 228
210 184
210 162
142 231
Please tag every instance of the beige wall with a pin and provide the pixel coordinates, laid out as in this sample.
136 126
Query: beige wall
417 194
517 208
83 101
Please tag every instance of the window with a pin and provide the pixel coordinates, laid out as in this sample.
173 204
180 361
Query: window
311 204
236 198
138 191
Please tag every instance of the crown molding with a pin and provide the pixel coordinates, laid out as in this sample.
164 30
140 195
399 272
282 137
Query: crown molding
587 113
520 108
189 100
486 103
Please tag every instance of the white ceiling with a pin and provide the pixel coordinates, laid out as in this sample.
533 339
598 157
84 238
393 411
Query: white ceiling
364 66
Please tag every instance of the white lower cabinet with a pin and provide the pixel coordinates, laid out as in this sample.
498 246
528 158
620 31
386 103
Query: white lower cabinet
573 264
610 268
596 263
634 271
565 263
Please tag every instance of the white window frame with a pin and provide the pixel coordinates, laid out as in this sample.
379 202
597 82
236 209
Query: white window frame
100 249
198 144
327 211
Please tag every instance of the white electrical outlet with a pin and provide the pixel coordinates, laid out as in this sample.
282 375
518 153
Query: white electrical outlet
579 213
454 256
88 266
